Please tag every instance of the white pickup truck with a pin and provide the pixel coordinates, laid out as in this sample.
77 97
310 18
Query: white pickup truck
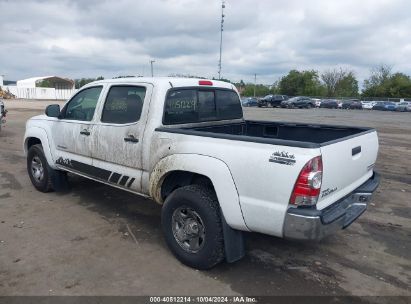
185 144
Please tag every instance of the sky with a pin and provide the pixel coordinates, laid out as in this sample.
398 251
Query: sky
90 38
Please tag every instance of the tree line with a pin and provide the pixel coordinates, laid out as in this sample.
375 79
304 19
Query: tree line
337 82
78 83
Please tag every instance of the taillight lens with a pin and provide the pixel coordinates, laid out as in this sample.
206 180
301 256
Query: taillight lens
307 187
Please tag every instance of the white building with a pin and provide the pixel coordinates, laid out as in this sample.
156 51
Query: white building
45 87
52 81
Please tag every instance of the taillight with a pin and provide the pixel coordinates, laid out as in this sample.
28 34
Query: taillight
307 187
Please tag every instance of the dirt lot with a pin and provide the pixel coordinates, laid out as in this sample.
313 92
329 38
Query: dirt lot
79 243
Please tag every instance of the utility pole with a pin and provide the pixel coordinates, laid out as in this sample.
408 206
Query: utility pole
151 63
221 36
255 82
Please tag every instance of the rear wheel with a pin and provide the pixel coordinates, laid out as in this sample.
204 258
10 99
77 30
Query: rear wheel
191 223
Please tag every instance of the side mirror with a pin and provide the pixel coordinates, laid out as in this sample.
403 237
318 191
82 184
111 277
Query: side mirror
53 110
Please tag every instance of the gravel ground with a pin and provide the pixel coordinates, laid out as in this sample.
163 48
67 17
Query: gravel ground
80 243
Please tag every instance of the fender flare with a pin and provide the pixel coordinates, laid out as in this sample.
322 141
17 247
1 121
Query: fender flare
215 169
40 134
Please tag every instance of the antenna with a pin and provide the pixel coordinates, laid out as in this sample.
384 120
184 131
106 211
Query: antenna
221 36
151 64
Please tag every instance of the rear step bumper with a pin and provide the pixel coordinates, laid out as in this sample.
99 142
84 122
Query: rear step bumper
312 224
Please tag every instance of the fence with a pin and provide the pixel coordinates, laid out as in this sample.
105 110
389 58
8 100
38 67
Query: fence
386 99
39 93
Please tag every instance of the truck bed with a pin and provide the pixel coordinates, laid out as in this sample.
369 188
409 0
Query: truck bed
281 133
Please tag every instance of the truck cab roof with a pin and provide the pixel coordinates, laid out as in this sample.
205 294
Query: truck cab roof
169 81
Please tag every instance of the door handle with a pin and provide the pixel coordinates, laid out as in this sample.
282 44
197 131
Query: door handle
85 132
131 138
356 150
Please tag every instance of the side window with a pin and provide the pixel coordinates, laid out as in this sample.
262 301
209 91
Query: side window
82 106
123 104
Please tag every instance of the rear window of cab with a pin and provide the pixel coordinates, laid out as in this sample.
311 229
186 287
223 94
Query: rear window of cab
191 105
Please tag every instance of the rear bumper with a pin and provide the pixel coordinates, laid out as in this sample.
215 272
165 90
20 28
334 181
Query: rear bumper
312 224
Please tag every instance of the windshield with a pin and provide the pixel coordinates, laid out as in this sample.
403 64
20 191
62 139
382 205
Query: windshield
199 105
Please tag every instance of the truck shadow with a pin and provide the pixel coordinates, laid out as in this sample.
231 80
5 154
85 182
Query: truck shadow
271 264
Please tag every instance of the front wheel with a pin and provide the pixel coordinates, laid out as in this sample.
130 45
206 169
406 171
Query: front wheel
191 223
38 169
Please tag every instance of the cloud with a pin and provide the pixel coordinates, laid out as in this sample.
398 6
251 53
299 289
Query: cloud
109 38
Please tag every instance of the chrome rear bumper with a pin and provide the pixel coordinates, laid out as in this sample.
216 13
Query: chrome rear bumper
313 224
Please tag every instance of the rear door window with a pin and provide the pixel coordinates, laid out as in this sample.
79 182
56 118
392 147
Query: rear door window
123 104
200 105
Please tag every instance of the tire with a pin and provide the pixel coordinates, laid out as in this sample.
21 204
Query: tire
193 213
38 169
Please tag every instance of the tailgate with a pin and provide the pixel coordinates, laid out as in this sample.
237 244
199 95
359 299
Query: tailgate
347 164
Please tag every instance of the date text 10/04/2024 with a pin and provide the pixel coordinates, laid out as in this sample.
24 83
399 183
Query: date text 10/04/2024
203 299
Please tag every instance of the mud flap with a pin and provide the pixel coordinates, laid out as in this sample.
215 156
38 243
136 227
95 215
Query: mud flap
59 180
234 244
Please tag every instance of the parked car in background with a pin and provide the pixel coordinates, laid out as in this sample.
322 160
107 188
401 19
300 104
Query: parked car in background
3 113
329 104
298 102
317 102
352 104
249 102
272 100
384 106
403 106
368 104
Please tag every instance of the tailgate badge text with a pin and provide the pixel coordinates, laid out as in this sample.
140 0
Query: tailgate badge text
283 158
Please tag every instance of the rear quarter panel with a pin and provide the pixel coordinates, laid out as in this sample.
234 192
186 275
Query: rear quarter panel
264 187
